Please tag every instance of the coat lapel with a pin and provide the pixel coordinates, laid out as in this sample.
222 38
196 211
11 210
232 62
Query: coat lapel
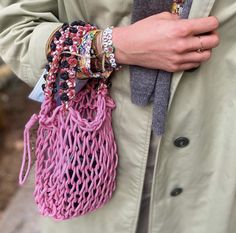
199 9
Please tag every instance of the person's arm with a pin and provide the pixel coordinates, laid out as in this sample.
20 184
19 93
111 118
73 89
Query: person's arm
24 31
161 41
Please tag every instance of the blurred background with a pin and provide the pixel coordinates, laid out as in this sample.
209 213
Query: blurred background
18 213
15 110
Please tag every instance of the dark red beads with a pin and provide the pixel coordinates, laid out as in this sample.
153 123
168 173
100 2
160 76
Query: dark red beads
73 30
64 76
64 97
64 64
49 58
53 46
47 67
65 26
78 23
68 41
64 86
43 86
57 35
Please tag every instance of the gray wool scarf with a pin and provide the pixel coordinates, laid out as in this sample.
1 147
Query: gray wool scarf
150 85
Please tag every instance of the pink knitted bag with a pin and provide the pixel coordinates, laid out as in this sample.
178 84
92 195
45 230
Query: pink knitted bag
76 155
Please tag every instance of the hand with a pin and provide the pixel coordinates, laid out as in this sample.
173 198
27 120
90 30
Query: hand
164 41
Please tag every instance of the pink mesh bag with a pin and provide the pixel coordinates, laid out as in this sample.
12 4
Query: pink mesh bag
76 154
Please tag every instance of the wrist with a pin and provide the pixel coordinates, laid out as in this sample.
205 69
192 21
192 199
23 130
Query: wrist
120 39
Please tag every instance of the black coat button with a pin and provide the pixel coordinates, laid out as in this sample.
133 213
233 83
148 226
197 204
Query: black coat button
175 192
181 142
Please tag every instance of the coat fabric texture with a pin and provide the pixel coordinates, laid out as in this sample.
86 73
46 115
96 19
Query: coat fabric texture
197 153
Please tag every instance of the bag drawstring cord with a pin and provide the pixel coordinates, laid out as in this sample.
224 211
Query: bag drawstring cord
27 149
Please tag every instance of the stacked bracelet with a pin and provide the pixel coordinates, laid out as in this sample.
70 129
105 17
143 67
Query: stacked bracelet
64 60
73 54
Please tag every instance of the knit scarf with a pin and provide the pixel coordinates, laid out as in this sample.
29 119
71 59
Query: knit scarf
151 85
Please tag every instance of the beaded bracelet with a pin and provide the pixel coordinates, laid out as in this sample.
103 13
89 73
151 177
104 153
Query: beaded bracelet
107 46
85 50
70 56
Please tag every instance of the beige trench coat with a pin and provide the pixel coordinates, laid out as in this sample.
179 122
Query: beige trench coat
202 109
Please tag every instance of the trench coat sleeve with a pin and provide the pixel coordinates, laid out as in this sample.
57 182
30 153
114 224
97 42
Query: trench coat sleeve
5 3
24 31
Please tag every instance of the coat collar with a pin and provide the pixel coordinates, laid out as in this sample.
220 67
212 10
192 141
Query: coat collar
199 9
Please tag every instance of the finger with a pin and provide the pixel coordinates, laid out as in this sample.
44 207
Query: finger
204 42
167 15
174 16
195 57
202 25
188 66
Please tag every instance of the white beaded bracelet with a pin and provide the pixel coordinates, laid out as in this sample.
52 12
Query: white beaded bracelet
107 46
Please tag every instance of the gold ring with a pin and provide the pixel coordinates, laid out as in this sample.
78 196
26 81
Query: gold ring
201 49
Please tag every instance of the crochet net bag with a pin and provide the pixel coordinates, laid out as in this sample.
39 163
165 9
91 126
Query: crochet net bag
76 154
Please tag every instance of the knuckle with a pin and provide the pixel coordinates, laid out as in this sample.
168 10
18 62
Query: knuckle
207 55
180 46
192 46
173 47
216 40
195 65
184 30
173 67
176 59
215 22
